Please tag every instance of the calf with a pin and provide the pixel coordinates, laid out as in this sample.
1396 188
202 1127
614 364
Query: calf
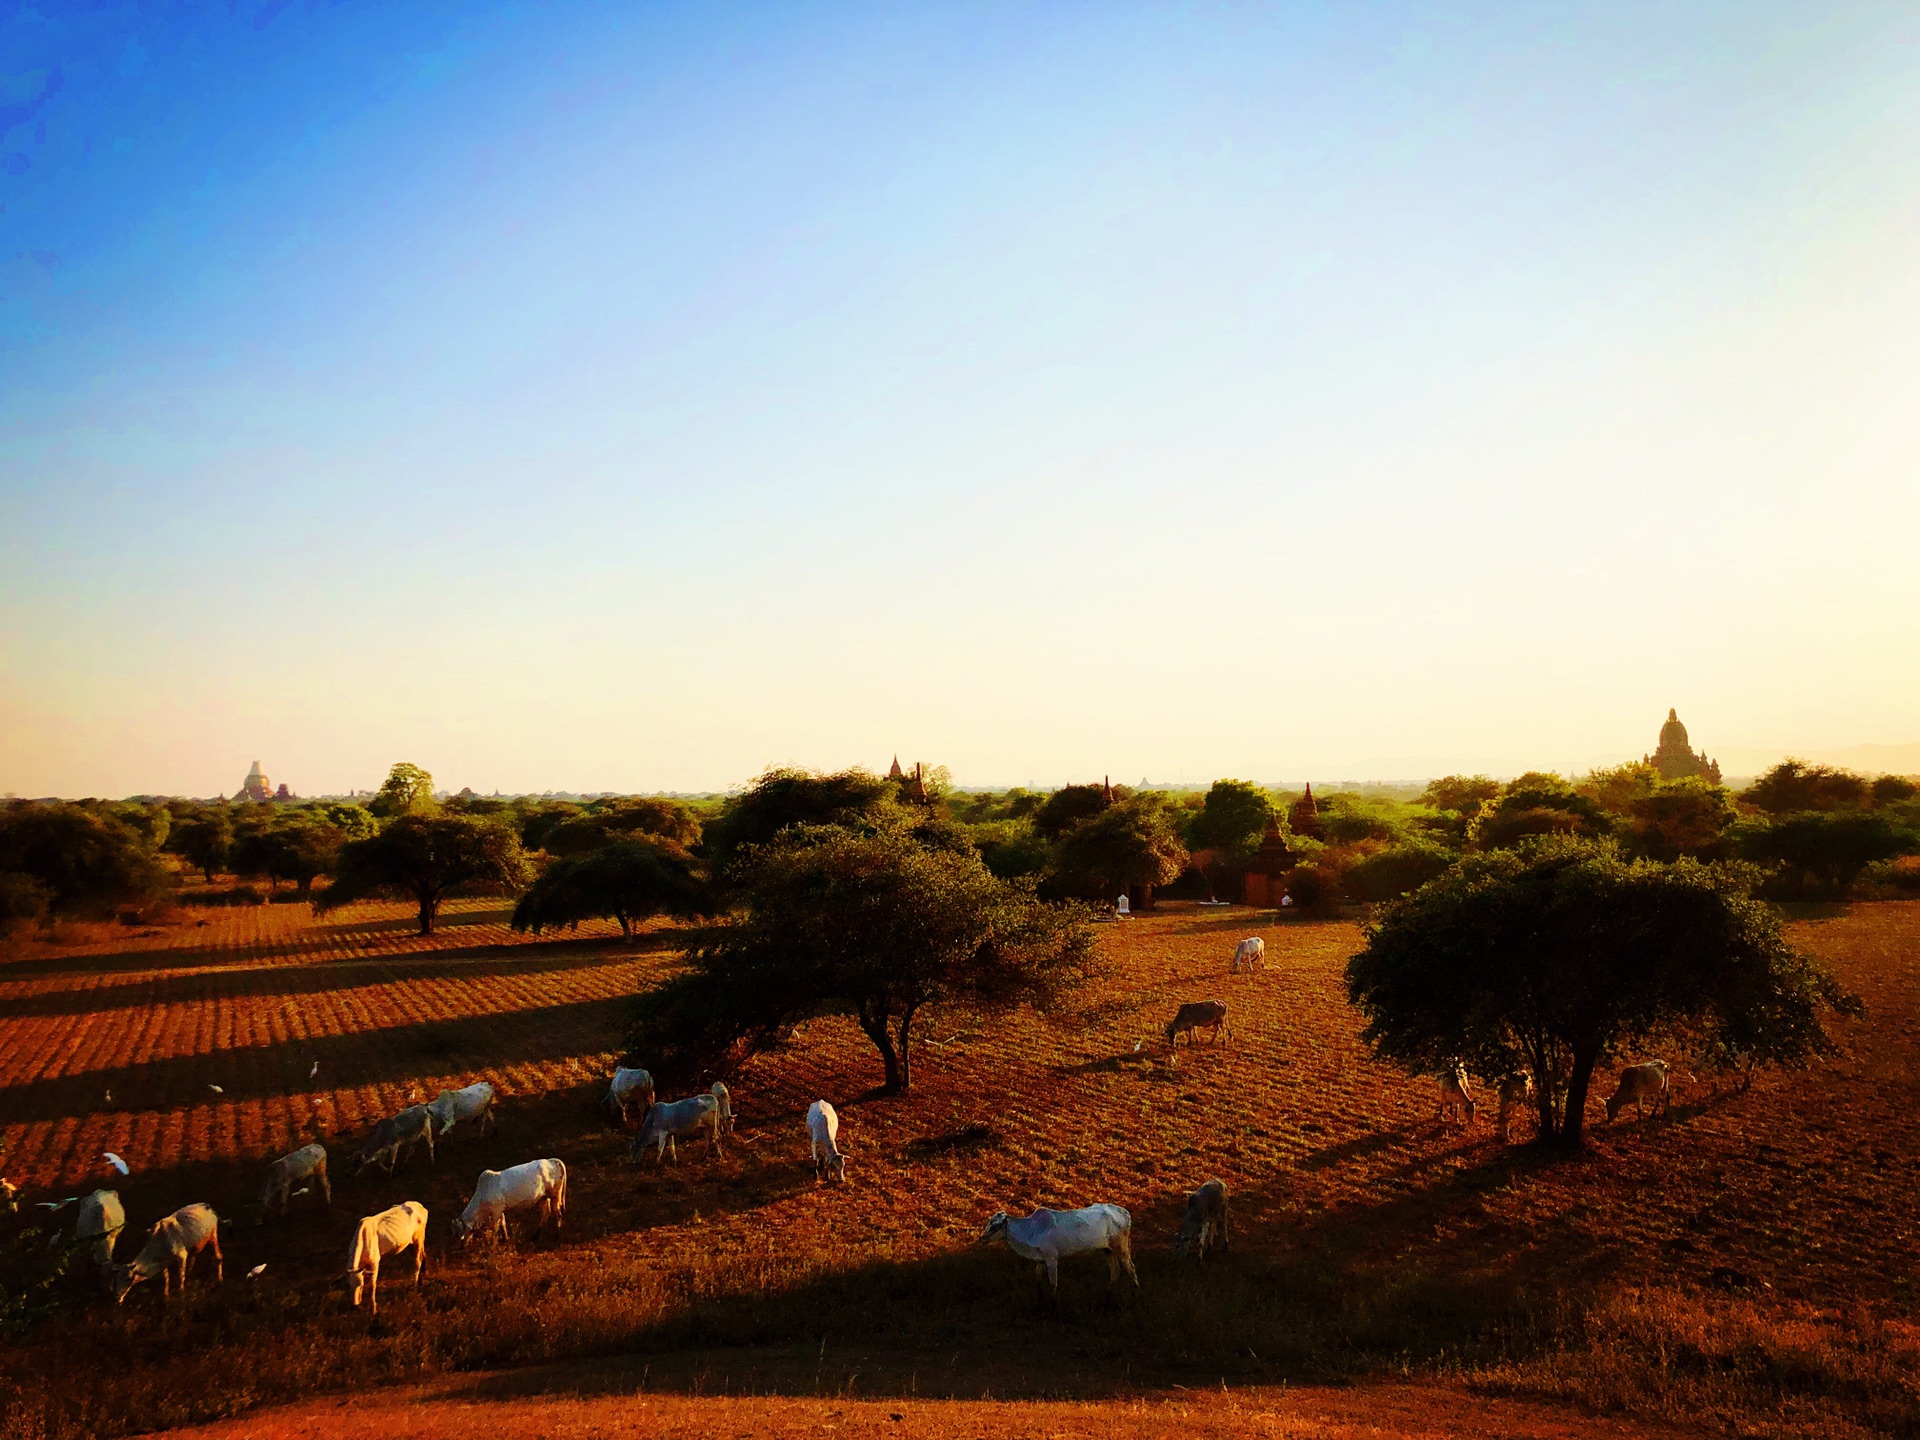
308 1163
823 1131
454 1107
172 1243
1205 1222
101 1220
1208 1015
630 1095
1455 1101
1250 952
395 1138
1640 1084
387 1233
1516 1090
538 1185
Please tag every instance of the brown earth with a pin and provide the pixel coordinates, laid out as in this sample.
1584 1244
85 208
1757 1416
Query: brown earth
1747 1263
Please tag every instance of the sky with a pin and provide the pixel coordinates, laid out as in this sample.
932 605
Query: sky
595 397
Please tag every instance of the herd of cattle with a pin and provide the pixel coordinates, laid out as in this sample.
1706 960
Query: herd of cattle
538 1188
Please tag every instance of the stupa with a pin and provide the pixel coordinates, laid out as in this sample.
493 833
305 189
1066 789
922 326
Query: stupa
255 787
1304 817
1676 760
1266 871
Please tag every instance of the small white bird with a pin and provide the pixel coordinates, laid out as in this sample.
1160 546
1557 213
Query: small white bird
257 1271
314 1074
216 1089
107 1096
304 1189
117 1163
58 1204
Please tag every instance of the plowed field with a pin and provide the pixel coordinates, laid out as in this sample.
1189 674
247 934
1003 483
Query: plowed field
1749 1262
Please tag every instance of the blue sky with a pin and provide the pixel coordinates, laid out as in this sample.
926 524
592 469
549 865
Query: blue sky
620 397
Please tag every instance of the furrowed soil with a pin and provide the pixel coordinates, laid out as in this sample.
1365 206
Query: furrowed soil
1746 1264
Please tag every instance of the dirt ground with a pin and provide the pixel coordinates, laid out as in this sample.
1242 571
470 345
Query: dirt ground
1779 1222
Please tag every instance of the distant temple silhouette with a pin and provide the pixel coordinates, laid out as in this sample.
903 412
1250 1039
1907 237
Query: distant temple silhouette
259 790
1267 871
1304 817
1675 760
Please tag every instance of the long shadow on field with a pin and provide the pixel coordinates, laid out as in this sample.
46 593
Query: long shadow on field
480 962
394 1053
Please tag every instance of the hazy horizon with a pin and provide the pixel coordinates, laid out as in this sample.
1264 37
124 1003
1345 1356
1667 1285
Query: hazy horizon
573 398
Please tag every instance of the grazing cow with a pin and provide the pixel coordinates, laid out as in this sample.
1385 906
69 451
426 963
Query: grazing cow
1047 1236
1640 1084
1206 1220
101 1220
387 1233
1516 1090
823 1130
538 1185
172 1243
395 1138
630 1096
712 1112
454 1107
1455 1100
308 1163
1208 1015
1250 952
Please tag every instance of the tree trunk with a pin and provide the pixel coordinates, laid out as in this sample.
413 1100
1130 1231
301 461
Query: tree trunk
1574 1125
626 928
906 1051
882 1037
429 907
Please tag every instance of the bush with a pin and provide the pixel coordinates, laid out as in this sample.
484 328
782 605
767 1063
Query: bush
1896 879
1315 890
87 863
1390 873
1819 854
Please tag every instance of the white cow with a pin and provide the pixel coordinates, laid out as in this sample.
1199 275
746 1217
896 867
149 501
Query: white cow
395 1138
1455 1100
1047 1236
1516 1090
630 1092
101 1220
1640 1084
1205 1222
712 1112
387 1233
823 1130
1250 952
171 1244
308 1163
539 1185
454 1107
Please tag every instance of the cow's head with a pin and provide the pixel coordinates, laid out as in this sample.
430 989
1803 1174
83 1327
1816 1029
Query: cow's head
356 1283
996 1228
119 1280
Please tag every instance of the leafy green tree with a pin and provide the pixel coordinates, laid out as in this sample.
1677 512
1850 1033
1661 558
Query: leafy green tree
1562 954
85 861
1461 794
1894 790
1232 819
1819 854
1619 789
1069 806
295 846
204 839
877 926
426 858
785 797
1794 785
664 819
1131 844
1012 849
1390 873
1535 804
150 822
629 880
408 790
23 900
1681 817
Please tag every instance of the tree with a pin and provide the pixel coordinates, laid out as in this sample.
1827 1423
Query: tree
578 834
626 880
1821 853
298 846
426 858
784 797
408 791
1535 804
1232 819
1795 785
1893 789
1461 794
84 861
204 839
1681 817
877 926
1563 953
1390 873
1068 806
1618 789
1130 844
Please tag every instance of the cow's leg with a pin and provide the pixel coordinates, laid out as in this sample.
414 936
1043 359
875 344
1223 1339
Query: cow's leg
373 1280
1053 1276
419 1257
326 1190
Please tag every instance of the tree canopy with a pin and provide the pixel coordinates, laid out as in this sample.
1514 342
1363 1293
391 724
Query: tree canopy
628 880
1069 806
1563 953
407 790
75 860
426 858
1132 843
1232 819
877 926
581 833
784 797
1795 785
1535 804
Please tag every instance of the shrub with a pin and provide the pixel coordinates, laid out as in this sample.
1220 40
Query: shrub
1390 873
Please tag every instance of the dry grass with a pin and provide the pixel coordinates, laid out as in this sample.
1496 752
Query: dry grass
1749 1264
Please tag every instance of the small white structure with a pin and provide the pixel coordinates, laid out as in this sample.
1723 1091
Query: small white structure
1121 909
823 1133
378 1236
538 1185
1048 1236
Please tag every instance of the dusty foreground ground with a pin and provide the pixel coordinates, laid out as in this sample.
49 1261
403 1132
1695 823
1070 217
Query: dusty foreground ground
575 1402
1746 1264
